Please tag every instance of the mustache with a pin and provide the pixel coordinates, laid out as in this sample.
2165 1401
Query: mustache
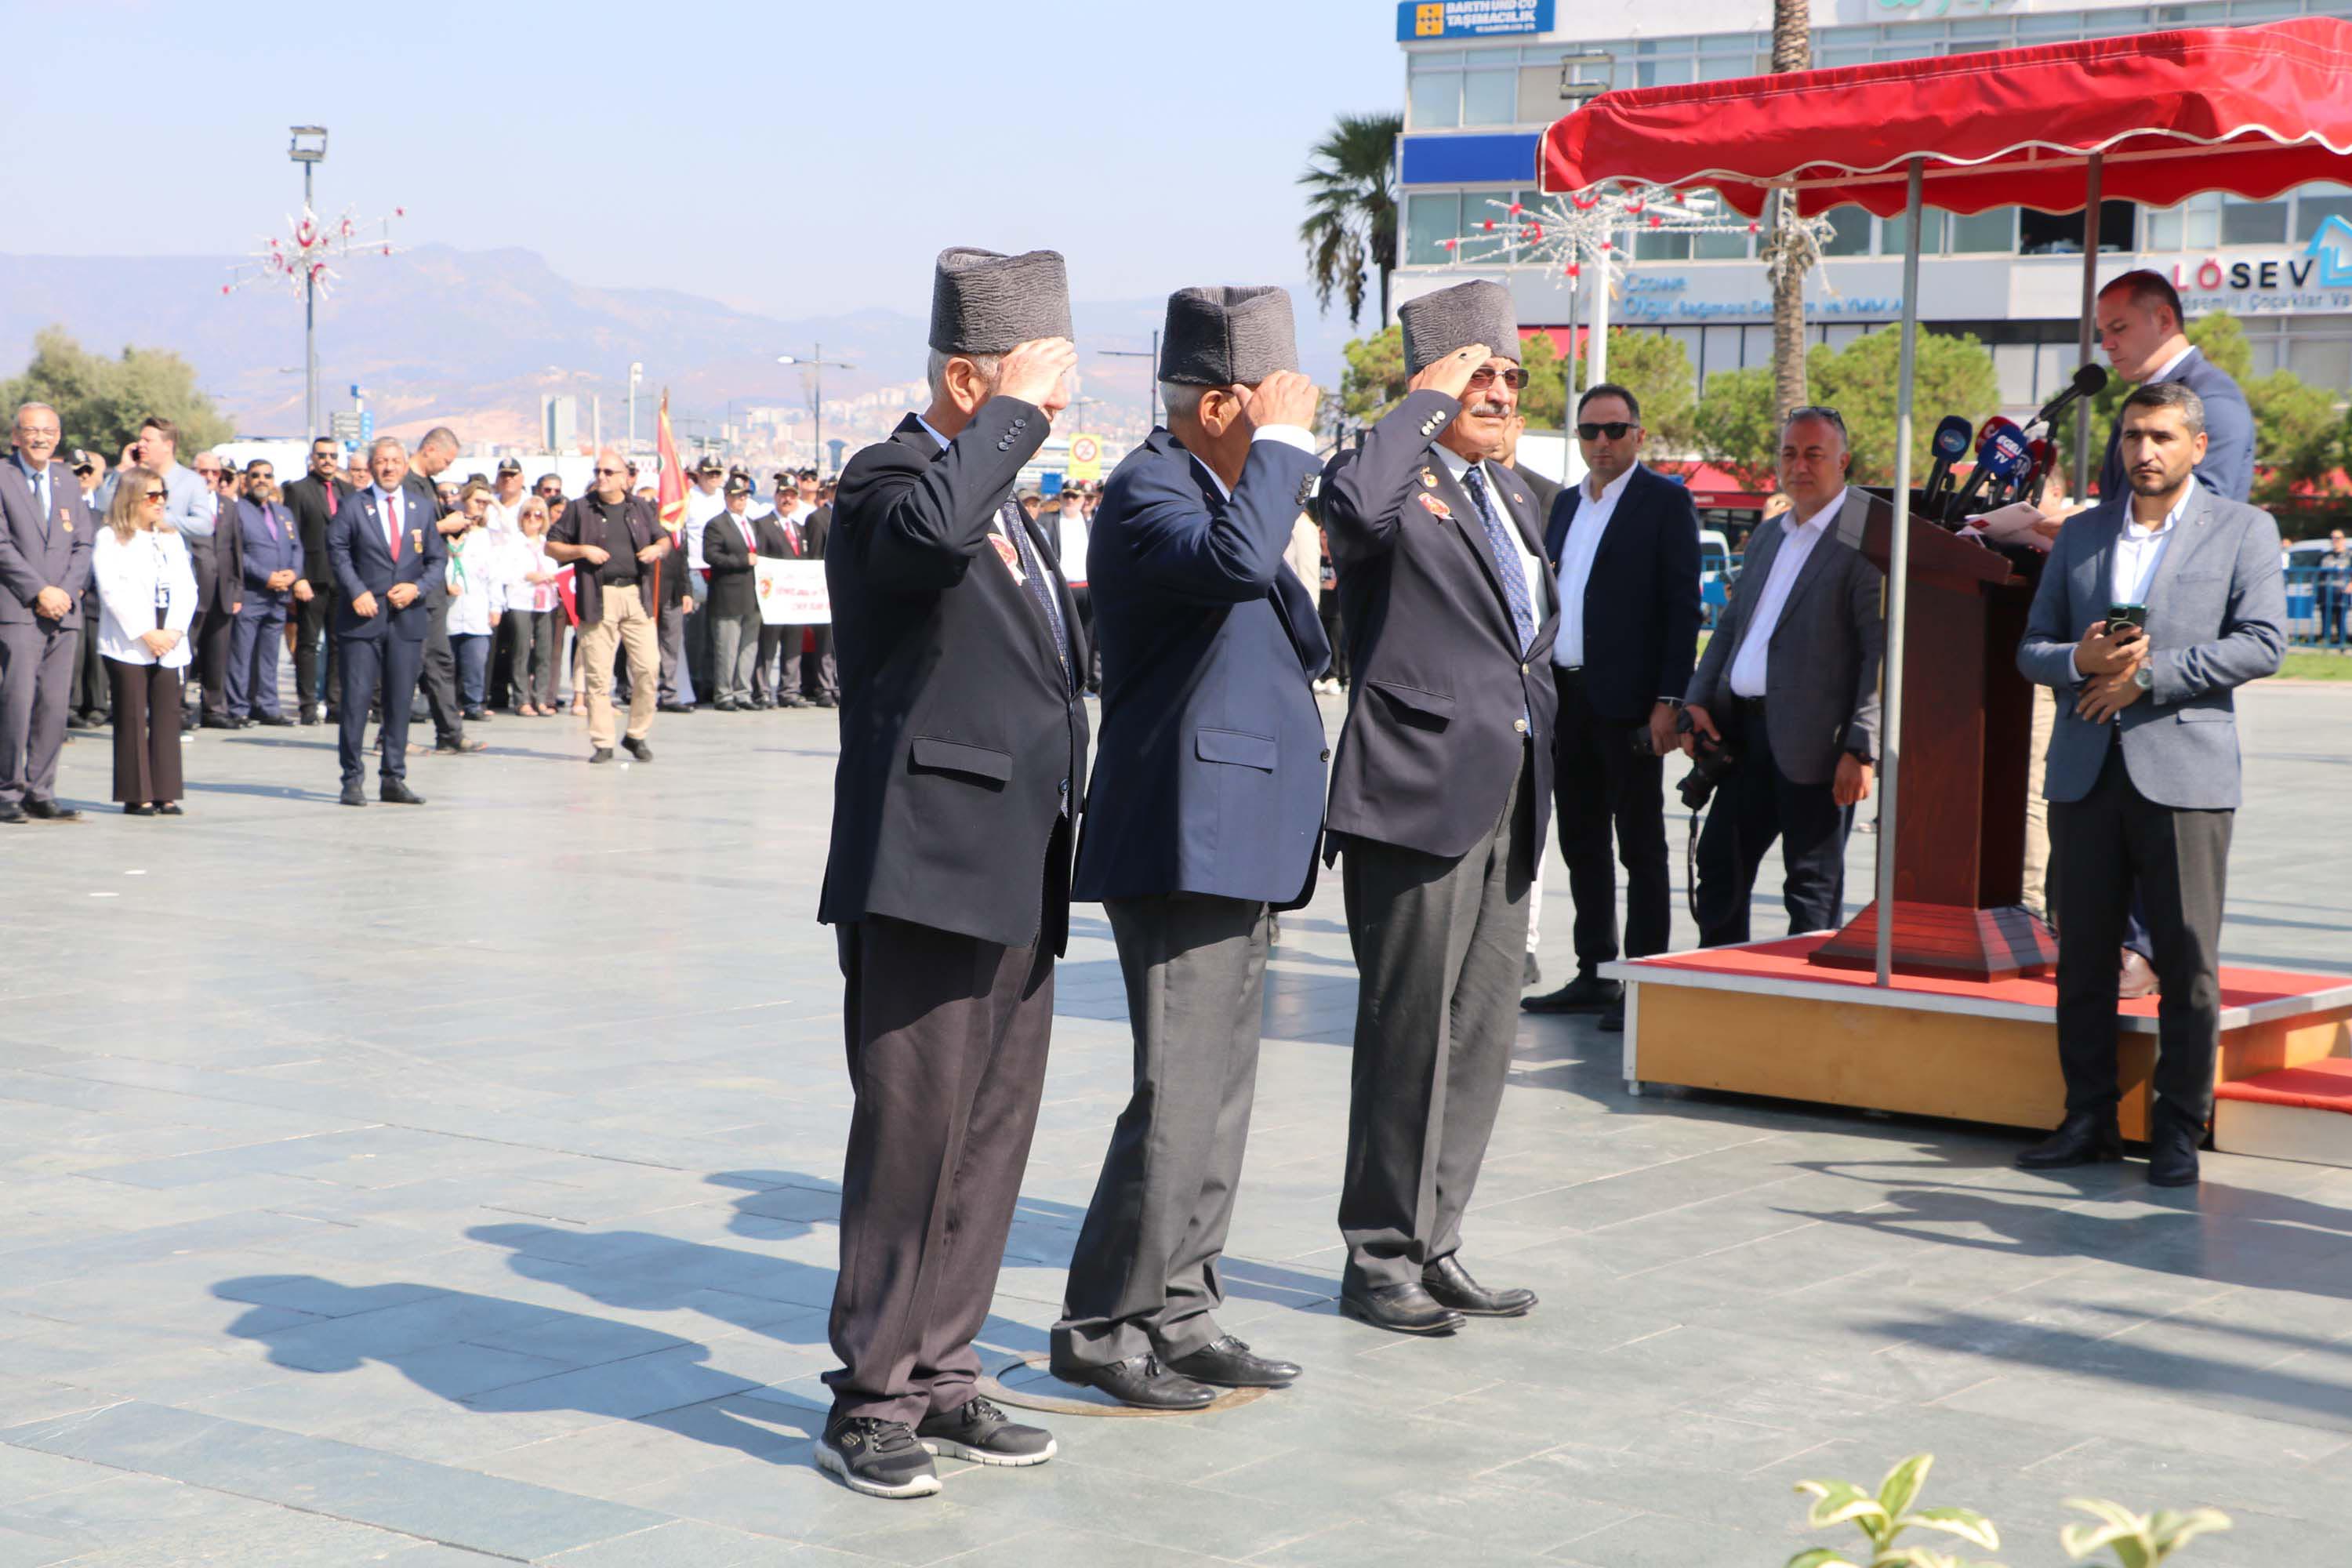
1488 408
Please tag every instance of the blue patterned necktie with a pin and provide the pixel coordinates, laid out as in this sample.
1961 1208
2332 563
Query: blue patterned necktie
1506 558
1040 584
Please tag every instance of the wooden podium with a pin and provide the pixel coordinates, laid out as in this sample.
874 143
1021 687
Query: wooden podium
1967 721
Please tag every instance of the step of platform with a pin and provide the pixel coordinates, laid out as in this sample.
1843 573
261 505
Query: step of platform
2296 1113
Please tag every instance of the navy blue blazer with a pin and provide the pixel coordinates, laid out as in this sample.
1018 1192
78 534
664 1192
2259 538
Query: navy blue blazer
364 565
2228 469
1209 771
264 554
1642 598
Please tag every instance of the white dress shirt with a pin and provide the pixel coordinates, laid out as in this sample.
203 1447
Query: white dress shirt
1529 567
389 513
1752 664
2139 550
700 508
1583 543
144 584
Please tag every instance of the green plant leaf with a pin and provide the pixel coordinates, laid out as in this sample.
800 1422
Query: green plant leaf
1840 1502
2118 1526
1819 1557
1965 1522
2169 1532
1902 1483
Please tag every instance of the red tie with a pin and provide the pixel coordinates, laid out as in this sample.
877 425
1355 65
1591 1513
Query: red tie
330 484
391 526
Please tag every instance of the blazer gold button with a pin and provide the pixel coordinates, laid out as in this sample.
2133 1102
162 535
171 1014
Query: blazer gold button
1520 725
1523 669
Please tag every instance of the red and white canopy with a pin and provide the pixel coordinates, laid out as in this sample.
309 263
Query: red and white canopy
2252 111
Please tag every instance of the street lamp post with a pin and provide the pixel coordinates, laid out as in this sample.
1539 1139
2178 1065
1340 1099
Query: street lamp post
817 365
1151 372
309 148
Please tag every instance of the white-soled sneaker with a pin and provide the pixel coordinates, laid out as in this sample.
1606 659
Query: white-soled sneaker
977 1430
879 1458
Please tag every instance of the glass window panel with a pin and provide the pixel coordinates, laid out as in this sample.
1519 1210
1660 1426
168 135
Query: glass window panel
2203 230
1853 236
2254 222
2321 361
1539 99
2263 10
1665 72
1477 58
2315 206
2165 229
2042 29
1719 248
1489 98
1655 245
1985 232
2012 363
1436 100
1844 55
1431 219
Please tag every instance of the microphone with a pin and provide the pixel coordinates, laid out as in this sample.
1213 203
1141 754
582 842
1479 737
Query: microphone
1951 444
2001 455
2037 469
2089 380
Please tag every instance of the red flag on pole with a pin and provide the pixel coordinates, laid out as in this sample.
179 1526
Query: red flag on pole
671 495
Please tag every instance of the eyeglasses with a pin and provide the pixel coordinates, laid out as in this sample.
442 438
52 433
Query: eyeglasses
1820 411
1613 428
606 473
158 495
1487 375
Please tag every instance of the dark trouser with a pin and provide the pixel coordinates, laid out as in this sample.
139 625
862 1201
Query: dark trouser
392 663
1085 601
1755 805
255 643
700 630
438 676
676 683
211 637
314 651
36 666
92 688
1328 609
734 646
819 678
1599 781
946 1040
146 732
473 654
2111 840
538 634
1439 945
508 686
788 679
1143 1278
766 683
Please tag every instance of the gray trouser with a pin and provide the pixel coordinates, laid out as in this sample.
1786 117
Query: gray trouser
1440 945
36 666
734 648
677 678
1144 1276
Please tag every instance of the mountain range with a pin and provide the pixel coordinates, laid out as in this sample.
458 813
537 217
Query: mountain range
473 338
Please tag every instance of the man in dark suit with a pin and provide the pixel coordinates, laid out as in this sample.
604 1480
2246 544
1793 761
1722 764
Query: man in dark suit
776 677
1439 800
963 751
44 543
216 556
2143 775
271 561
730 554
1203 818
821 674
314 500
1789 680
1624 551
384 547
2143 331
438 678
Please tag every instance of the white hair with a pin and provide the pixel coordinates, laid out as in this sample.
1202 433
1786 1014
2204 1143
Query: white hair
1181 401
936 371
381 442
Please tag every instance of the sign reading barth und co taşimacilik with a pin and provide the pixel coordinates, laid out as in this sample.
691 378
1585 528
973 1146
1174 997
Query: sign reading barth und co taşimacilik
1425 20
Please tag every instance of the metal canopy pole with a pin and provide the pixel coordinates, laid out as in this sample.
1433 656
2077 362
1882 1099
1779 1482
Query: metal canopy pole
1898 573
2088 329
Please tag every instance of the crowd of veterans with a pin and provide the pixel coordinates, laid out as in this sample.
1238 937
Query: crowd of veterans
1519 662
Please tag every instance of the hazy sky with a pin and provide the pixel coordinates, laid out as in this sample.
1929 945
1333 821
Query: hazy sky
784 156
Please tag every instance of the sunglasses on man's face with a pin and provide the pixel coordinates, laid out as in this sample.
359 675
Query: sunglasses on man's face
606 473
1487 375
1613 428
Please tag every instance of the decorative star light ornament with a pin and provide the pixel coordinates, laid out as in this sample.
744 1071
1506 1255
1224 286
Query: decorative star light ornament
312 245
1569 234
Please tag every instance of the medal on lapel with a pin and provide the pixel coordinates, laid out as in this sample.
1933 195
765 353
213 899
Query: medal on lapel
416 539
1436 507
66 518
1428 480
1010 556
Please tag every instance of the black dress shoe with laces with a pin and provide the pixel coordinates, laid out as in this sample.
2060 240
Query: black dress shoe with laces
396 792
1450 1285
977 1430
879 1458
1227 1363
273 720
2085 1138
1585 994
2172 1141
1143 1382
638 749
41 810
1405 1309
353 795
601 755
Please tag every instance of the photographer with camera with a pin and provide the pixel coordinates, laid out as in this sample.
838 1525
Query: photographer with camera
1782 716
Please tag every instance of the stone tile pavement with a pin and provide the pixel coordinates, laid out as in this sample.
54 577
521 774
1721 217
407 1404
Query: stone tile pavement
458 1185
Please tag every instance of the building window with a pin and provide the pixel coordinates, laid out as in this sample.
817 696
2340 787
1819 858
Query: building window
2314 204
1852 237
1430 219
2194 224
2060 233
1434 99
2252 223
1985 233
1658 245
1490 98
1719 246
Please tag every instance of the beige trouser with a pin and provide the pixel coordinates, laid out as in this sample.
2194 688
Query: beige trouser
624 621
2037 810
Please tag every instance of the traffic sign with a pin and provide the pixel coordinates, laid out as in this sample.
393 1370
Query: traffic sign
345 427
1086 458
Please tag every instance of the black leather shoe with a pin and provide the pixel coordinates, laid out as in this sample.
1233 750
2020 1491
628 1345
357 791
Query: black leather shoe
217 721
2172 1141
396 792
828 702
1142 1381
11 811
1585 994
273 720
310 715
461 748
1405 1309
673 706
76 721
1450 1285
601 755
49 811
141 810
638 749
1227 1363
169 808
2085 1138
353 795
475 716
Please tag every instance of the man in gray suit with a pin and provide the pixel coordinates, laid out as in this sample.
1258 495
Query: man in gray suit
45 538
2143 766
1790 681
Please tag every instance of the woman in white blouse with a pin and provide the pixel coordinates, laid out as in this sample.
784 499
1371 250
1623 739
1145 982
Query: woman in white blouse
477 576
531 606
146 597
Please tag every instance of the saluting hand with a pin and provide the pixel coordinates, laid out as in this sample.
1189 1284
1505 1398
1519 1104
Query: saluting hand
1285 398
1450 376
1033 371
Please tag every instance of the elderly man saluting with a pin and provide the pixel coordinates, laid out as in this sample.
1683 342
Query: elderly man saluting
1439 799
1204 815
963 743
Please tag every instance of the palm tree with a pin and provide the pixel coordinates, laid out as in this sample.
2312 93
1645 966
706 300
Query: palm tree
1352 215
1792 50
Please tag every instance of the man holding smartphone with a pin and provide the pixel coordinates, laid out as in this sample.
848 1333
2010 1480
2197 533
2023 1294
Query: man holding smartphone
2152 608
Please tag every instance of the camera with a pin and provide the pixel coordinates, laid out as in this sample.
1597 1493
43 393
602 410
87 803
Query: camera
1709 763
